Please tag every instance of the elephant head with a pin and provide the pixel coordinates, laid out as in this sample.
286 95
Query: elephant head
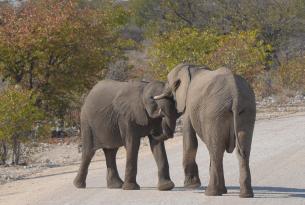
160 108
178 82
136 103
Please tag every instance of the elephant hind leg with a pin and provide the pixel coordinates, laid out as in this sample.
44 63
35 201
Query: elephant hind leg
216 185
216 134
113 179
80 179
190 145
246 190
87 154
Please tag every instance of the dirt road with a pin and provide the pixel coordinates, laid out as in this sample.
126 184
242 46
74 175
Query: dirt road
277 164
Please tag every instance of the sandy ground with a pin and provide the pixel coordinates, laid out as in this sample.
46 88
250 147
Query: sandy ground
277 165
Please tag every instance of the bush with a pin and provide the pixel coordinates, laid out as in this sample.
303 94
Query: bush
184 45
245 55
20 120
291 75
59 48
242 52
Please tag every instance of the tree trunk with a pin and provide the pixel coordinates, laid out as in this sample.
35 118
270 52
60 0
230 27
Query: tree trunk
16 151
3 152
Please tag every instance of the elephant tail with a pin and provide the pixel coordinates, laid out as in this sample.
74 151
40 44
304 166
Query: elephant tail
236 126
231 143
86 134
233 139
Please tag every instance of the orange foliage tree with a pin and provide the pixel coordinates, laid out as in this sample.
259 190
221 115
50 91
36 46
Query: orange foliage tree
58 47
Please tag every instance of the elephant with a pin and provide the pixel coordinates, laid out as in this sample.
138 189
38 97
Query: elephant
220 108
117 114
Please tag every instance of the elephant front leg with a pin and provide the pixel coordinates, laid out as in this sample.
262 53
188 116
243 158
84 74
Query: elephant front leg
159 153
132 149
190 145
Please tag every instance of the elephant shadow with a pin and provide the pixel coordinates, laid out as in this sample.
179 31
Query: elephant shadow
259 191
276 192
269 191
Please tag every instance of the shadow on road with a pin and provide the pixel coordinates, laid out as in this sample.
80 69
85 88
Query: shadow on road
273 192
259 191
54 174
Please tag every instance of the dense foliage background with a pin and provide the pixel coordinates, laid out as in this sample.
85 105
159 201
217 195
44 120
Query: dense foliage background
53 51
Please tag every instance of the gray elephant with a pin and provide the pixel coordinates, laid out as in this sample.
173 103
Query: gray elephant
118 114
220 107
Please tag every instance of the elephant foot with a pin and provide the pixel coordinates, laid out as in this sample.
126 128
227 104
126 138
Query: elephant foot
79 184
213 191
246 193
224 190
166 185
192 182
115 183
130 186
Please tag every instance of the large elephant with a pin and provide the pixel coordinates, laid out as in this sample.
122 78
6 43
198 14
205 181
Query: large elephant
220 107
118 114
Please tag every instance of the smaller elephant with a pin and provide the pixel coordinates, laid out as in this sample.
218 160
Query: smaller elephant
117 114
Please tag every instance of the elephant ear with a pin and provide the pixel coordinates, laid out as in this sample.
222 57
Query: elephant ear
180 79
129 104
150 104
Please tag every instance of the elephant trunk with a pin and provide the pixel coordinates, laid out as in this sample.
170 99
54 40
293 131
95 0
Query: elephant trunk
168 129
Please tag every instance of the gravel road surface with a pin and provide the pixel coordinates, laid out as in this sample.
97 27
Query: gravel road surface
277 165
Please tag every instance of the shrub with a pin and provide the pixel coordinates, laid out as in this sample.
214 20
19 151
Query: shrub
20 119
59 48
241 52
291 75
184 45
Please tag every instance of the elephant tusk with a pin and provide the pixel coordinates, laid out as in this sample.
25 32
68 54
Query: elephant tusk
158 97
160 110
167 93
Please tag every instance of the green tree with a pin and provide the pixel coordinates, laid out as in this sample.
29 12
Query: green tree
280 23
291 74
185 45
242 52
19 118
